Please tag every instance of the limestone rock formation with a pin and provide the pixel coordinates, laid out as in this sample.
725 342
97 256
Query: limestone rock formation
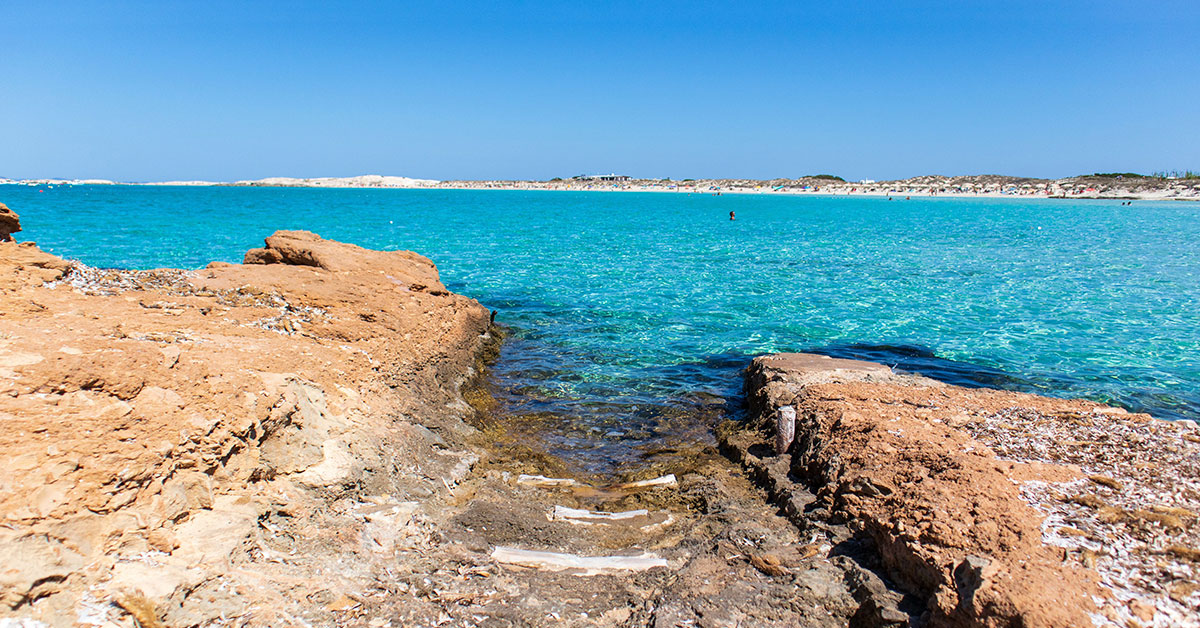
10 223
175 436
997 508
303 248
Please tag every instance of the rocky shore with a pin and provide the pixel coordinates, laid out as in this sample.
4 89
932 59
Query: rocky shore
191 447
288 442
307 439
984 507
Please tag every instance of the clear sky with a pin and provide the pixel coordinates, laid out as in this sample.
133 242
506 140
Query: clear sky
220 90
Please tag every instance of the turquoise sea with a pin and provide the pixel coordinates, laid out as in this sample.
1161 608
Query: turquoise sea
631 314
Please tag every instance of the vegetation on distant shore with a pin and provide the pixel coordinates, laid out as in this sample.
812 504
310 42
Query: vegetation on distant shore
826 177
1175 174
1162 174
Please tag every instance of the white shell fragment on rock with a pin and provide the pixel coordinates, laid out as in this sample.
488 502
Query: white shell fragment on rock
590 565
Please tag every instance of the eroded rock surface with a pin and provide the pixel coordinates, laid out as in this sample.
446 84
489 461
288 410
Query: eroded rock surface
231 443
304 248
10 223
994 508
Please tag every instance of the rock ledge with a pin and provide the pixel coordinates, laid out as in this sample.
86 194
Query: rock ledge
996 508
243 441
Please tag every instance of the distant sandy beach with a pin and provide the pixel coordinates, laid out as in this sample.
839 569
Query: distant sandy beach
968 186
982 186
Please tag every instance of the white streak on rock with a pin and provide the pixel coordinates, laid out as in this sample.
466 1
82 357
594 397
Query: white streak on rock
541 480
666 480
590 565
785 429
562 513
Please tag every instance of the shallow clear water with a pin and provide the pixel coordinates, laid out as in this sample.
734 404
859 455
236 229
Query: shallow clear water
631 311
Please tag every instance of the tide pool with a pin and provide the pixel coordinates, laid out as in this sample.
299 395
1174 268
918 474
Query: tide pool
631 314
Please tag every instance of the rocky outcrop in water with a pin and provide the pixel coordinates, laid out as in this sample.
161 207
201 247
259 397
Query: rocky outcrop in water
993 508
10 223
303 248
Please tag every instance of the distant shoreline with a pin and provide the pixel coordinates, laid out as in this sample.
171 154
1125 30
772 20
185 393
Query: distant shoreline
971 186
842 193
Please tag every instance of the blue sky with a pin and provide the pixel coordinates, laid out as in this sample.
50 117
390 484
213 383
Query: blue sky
228 90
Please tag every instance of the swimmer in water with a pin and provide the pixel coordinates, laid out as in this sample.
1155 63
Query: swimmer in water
731 215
